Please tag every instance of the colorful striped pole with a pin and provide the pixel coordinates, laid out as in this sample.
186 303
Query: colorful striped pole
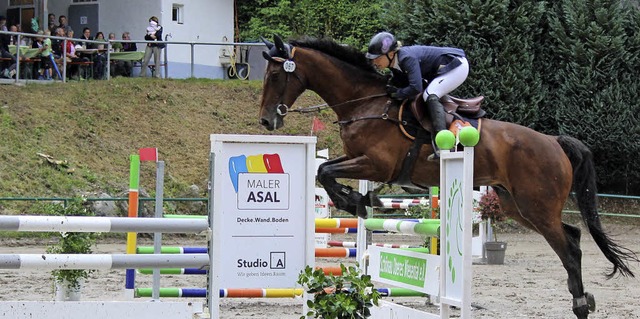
353 244
435 208
259 292
134 184
336 222
428 227
328 270
173 250
174 271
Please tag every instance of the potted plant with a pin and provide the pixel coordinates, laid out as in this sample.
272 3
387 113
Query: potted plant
489 208
68 282
348 296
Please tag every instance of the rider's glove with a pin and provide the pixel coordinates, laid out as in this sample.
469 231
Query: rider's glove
392 91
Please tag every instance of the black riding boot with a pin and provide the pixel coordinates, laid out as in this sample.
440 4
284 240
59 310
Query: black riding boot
436 114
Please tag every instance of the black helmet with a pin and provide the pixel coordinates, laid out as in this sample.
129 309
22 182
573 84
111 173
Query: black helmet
381 43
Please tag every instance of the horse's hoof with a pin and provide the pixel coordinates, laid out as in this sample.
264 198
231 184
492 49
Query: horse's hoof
371 199
591 301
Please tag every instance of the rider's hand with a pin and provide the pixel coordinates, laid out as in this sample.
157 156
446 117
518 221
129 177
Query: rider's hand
392 91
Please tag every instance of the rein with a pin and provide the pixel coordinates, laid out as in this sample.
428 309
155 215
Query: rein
319 107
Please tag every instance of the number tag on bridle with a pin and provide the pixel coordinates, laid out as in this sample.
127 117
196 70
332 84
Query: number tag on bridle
289 66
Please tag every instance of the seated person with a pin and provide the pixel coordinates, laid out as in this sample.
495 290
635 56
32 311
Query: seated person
73 70
125 68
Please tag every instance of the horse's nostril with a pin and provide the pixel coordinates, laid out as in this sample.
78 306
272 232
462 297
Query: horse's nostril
264 122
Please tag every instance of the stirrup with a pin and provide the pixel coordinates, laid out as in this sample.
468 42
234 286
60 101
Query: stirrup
434 157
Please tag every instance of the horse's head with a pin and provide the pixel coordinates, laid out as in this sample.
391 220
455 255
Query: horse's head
282 84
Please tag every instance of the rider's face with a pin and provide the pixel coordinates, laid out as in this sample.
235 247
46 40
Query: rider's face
382 62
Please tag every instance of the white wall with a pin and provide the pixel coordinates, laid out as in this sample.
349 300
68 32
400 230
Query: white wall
118 16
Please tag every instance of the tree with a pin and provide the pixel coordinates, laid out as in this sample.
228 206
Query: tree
594 47
348 21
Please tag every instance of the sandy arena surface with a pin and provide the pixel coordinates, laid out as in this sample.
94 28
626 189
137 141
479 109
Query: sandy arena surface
531 283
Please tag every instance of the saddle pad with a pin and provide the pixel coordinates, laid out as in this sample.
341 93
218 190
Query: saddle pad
409 125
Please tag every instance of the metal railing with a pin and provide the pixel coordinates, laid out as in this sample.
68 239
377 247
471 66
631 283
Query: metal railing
109 46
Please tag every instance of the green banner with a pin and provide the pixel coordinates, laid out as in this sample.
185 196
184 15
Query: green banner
404 269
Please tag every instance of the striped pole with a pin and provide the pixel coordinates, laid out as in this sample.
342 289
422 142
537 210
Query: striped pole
335 252
173 250
429 227
343 231
259 292
99 261
328 270
399 203
336 222
134 184
174 271
353 244
435 208
101 225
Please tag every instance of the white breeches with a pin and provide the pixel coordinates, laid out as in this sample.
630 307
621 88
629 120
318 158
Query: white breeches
449 81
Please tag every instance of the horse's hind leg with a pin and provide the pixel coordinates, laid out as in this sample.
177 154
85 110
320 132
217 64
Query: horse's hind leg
564 239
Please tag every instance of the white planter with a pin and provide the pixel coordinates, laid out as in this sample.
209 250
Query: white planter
64 293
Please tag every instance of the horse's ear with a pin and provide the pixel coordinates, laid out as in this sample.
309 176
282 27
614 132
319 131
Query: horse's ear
283 49
266 56
266 42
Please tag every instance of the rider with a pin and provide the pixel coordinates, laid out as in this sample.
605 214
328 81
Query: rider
443 68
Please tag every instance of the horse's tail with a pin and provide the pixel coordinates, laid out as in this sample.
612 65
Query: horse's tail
584 186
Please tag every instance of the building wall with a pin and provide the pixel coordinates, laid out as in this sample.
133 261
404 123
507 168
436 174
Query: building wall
204 21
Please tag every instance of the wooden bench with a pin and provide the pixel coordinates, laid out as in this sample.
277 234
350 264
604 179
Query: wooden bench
84 65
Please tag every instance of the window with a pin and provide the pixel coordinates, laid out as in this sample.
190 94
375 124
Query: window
177 13
15 3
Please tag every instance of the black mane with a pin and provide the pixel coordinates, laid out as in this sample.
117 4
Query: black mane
341 52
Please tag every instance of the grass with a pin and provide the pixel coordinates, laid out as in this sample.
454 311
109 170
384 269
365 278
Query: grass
89 130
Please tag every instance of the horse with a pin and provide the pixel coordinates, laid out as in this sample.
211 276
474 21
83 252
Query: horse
532 173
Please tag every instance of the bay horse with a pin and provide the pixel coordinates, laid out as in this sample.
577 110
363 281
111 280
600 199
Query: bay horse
532 173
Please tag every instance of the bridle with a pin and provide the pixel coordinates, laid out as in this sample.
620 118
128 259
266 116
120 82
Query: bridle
289 67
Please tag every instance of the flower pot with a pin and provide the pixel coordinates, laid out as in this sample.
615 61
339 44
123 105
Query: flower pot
65 293
495 252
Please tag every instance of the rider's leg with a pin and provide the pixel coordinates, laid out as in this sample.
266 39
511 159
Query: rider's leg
437 88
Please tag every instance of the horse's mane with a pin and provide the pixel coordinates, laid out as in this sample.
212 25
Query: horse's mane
345 53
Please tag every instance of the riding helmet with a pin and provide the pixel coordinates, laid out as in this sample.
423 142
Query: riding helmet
381 43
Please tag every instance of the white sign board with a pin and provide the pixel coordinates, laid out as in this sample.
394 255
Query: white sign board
262 206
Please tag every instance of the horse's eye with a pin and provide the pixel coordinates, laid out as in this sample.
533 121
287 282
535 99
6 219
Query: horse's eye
274 76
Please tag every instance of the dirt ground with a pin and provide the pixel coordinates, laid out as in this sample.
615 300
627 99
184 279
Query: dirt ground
531 283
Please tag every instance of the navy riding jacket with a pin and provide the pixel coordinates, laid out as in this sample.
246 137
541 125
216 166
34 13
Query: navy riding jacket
420 62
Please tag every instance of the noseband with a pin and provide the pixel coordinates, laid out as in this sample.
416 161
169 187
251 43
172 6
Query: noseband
289 67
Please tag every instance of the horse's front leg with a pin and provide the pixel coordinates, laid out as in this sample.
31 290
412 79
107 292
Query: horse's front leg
343 196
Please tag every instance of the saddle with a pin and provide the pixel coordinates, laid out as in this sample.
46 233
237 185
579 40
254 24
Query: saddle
455 108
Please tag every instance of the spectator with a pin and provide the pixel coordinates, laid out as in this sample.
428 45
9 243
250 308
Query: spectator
115 46
154 33
71 56
37 43
128 46
52 23
7 67
24 41
99 58
64 25
57 44
86 35
125 68
45 52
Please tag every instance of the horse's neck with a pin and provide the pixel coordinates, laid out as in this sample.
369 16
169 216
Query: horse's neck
335 85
